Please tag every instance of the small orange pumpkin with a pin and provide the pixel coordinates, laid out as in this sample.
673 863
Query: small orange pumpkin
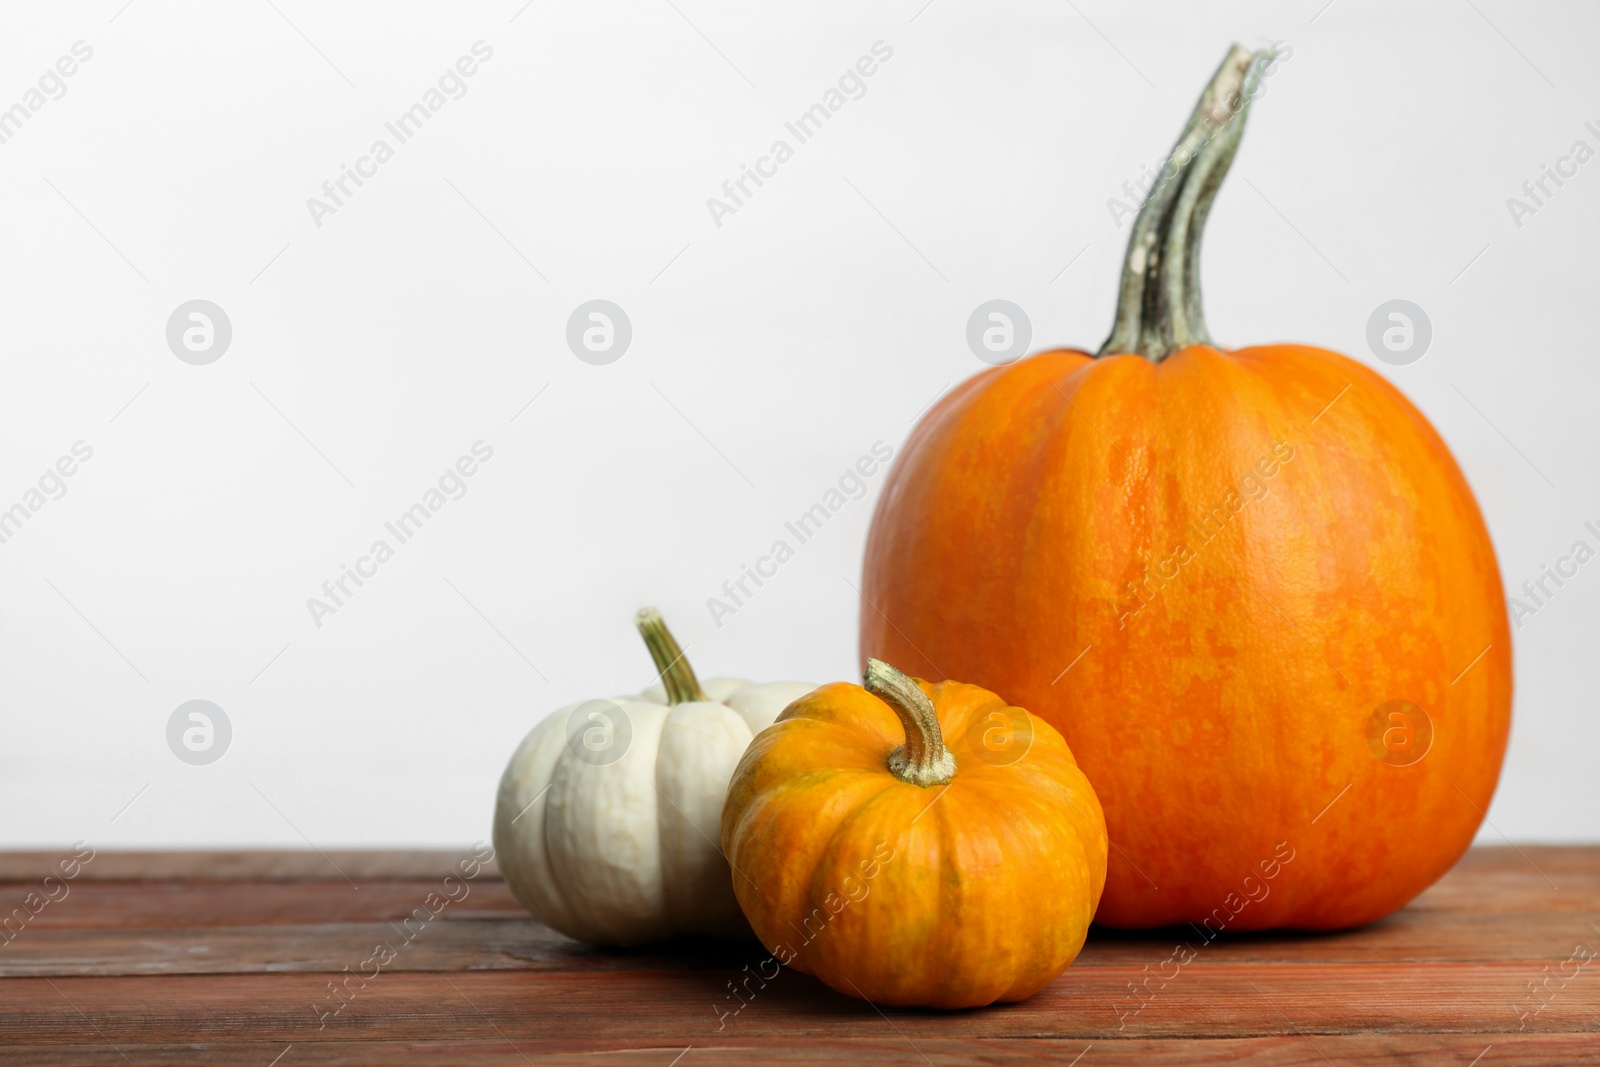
1229 578
894 868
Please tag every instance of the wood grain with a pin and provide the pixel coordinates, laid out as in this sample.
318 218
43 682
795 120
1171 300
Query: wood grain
1354 1050
233 865
160 959
129 905
517 942
689 1006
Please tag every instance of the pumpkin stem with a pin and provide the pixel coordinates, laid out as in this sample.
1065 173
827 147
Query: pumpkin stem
676 674
1158 305
922 760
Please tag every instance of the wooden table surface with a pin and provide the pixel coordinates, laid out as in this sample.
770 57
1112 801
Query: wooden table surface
232 958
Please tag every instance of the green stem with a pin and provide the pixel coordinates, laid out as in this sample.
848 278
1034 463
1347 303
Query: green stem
1158 304
922 760
676 675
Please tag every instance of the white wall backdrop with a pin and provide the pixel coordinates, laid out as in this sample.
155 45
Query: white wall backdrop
375 344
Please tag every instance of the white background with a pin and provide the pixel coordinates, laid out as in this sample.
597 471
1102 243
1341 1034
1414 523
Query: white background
821 317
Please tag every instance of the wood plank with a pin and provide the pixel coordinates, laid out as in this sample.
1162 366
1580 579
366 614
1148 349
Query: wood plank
1513 877
471 941
683 1007
232 961
1487 880
254 865
1519 878
490 1050
130 905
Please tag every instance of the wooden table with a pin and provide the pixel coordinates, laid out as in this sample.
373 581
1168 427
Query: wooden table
230 958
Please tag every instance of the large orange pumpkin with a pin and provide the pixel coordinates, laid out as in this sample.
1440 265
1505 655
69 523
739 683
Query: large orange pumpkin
1251 588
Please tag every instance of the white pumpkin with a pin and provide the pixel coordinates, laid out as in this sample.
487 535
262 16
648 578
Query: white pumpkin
608 820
